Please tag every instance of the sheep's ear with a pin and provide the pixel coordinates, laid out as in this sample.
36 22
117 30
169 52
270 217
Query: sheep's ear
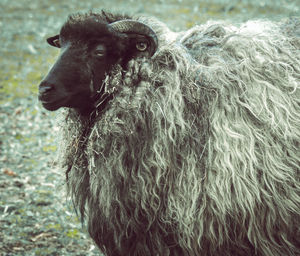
54 41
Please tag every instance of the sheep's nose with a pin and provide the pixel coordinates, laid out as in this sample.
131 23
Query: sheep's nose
45 87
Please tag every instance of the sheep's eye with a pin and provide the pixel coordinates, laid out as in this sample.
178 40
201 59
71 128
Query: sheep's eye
141 46
100 51
56 43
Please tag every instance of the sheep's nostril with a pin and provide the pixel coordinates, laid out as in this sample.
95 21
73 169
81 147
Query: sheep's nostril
45 88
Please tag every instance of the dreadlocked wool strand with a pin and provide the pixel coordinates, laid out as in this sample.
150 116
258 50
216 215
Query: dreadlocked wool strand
198 152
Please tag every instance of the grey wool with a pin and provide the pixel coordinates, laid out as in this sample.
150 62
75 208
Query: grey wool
198 151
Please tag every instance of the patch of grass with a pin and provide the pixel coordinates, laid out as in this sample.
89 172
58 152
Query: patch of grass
56 227
21 75
50 148
73 233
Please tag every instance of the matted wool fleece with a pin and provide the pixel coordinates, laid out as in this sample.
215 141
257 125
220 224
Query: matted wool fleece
198 152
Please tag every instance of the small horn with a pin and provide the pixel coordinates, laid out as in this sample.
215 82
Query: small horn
136 27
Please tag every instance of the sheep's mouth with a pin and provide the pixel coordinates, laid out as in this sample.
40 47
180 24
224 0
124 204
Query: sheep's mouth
48 103
51 105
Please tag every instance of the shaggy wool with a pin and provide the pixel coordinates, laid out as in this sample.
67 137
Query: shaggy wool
198 151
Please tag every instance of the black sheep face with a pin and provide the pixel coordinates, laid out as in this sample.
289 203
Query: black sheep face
89 49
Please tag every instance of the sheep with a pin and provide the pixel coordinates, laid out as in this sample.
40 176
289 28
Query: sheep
180 143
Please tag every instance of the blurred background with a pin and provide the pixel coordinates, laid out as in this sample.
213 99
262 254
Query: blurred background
35 216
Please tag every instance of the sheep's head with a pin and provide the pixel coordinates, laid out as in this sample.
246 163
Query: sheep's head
89 49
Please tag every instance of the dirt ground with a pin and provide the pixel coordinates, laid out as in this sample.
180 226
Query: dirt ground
36 217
